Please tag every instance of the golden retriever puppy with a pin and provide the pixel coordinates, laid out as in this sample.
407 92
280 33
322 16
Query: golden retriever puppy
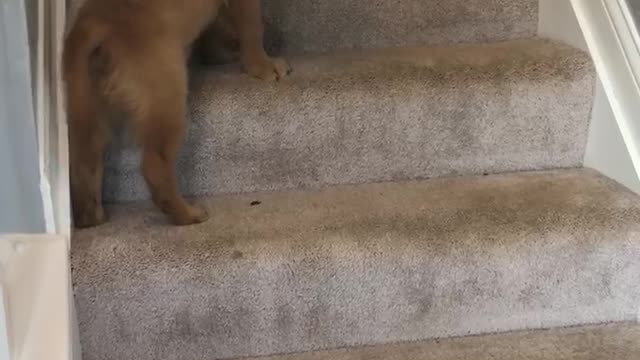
131 56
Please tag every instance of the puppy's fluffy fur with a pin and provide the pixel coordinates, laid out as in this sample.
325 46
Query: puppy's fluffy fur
130 56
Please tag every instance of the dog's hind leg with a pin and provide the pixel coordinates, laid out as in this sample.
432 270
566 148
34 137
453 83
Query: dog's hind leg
156 94
88 138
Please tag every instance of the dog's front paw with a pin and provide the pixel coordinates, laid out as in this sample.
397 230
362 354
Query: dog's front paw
269 69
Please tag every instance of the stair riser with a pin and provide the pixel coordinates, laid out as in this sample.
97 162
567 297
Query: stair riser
303 26
392 126
319 26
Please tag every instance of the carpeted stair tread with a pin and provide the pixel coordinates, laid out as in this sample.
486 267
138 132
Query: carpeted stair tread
606 342
312 25
284 272
380 115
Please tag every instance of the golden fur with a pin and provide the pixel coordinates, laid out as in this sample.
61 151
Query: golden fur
130 56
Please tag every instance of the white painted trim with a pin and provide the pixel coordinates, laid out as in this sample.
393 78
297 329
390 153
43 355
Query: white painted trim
611 40
41 113
51 118
631 21
59 317
34 275
61 191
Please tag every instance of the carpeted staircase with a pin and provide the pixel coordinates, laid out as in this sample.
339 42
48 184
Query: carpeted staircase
417 177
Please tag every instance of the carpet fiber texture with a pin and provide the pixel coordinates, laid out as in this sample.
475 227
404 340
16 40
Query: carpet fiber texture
379 115
319 26
610 342
360 265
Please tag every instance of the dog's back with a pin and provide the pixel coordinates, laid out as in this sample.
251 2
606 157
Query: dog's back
110 36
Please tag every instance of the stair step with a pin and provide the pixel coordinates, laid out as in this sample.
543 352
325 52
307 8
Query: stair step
379 115
312 26
360 265
608 342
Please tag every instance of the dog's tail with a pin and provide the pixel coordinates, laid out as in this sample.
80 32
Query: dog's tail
83 42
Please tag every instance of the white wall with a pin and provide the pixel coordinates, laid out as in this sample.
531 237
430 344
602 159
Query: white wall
606 151
557 21
20 201
604 133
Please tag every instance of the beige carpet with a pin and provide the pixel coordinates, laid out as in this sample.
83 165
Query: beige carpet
609 342
319 26
381 91
380 115
360 265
